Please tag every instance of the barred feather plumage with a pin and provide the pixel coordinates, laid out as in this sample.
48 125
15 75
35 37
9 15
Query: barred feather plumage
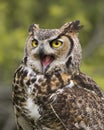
49 90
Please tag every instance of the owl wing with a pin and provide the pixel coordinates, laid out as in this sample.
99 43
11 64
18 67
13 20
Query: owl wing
78 108
19 99
86 82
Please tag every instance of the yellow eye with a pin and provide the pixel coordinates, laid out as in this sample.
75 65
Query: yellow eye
34 43
56 43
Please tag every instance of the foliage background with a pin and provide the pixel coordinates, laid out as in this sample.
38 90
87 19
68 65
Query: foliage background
17 16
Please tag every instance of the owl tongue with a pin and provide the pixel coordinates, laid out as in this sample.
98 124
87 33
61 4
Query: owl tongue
47 60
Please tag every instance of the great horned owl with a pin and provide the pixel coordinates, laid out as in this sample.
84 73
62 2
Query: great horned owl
49 90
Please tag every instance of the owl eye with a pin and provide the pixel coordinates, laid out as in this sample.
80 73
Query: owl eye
34 43
56 43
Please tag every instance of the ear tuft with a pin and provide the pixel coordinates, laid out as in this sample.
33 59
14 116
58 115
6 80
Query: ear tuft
32 28
71 27
75 25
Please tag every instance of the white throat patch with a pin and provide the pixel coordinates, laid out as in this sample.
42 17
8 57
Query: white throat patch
33 109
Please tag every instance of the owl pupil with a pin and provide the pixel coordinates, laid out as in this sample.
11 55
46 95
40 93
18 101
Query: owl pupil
36 43
57 43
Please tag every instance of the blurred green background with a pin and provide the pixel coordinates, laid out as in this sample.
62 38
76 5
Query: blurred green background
15 18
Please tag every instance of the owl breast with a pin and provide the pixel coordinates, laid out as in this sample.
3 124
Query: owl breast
38 89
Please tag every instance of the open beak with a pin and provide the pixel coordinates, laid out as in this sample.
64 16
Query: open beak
45 59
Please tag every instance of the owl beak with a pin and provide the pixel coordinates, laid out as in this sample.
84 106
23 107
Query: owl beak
41 53
45 59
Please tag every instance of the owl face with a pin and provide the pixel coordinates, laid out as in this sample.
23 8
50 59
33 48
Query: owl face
50 50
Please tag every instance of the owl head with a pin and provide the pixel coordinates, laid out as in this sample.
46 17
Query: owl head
51 50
